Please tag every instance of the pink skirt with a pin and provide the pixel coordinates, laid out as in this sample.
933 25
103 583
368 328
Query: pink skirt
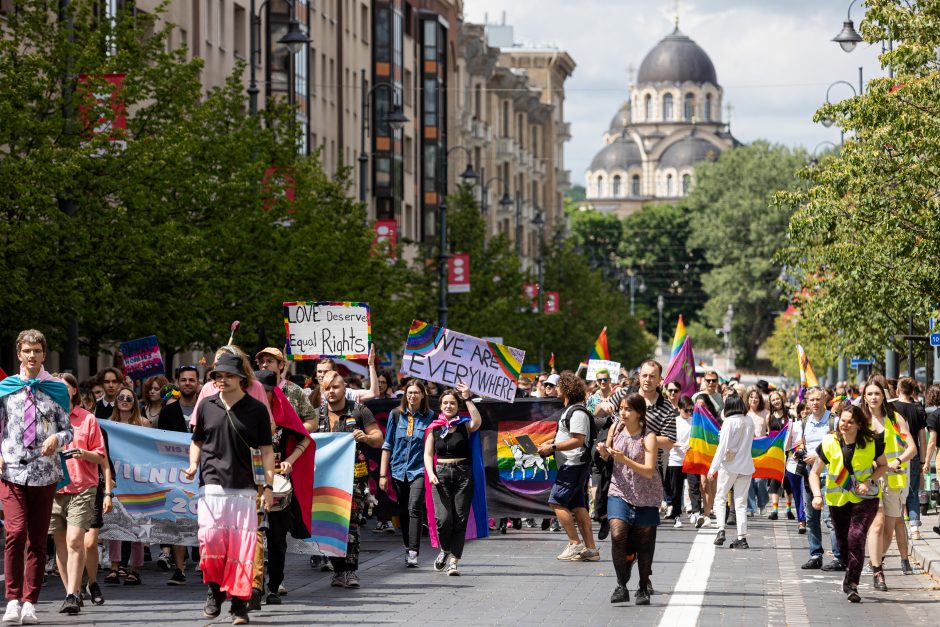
228 521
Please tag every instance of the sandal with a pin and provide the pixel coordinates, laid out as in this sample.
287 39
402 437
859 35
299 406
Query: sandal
113 577
94 591
132 579
122 571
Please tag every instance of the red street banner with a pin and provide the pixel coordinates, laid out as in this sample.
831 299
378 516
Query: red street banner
116 127
277 181
386 236
551 302
458 273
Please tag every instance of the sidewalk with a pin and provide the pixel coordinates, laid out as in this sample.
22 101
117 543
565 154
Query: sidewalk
927 551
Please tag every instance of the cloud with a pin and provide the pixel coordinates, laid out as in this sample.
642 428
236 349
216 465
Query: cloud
774 60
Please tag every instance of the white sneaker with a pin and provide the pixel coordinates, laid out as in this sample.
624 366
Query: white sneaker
452 567
570 552
12 615
708 522
28 614
668 511
693 519
678 523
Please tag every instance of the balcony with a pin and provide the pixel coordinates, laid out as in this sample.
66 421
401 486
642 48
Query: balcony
538 167
562 180
481 131
505 148
563 130
525 158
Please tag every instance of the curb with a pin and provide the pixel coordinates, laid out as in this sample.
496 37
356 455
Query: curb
929 557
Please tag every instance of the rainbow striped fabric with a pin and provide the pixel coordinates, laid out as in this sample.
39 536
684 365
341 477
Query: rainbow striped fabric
599 350
769 457
144 503
332 492
678 338
703 440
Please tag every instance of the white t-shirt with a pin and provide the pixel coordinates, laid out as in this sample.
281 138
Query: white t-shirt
578 424
683 431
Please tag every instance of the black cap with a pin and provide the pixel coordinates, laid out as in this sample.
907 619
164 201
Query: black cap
231 364
267 378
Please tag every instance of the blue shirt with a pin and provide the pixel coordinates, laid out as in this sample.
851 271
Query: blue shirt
407 451
816 430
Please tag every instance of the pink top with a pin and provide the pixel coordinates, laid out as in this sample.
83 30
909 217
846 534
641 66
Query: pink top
83 473
628 484
255 391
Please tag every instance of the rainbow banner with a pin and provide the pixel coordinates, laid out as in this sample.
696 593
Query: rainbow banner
437 354
144 503
678 339
332 492
703 440
600 350
769 457
342 330
517 456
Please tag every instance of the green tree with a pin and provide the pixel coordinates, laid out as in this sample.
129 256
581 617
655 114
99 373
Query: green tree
740 229
781 348
597 235
865 239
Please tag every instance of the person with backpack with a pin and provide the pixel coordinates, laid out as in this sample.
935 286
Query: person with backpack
572 446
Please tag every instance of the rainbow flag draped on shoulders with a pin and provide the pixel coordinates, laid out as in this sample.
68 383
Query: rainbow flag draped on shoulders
703 440
768 454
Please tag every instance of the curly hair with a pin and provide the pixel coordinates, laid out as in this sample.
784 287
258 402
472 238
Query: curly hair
571 387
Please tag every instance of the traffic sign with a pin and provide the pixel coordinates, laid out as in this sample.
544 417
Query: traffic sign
860 361
935 339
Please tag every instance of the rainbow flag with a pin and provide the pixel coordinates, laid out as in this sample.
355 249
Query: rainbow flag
703 440
678 339
600 350
145 503
512 460
768 455
844 479
681 369
807 377
551 362
332 492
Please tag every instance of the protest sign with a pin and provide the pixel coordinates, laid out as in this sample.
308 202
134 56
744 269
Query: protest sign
444 356
613 367
327 329
142 358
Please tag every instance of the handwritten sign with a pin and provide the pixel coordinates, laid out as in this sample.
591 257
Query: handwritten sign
447 357
142 358
613 367
327 329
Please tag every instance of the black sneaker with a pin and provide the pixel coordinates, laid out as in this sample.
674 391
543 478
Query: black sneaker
906 567
720 538
253 604
620 595
546 522
814 563
212 608
178 578
740 543
338 580
853 596
163 562
441 561
70 605
790 515
642 597
773 515
352 579
835 565
240 611
273 598
604 531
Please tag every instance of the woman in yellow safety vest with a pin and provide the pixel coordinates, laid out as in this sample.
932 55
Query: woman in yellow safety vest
854 459
899 450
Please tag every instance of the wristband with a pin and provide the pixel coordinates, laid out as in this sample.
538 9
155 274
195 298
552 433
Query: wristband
383 476
109 494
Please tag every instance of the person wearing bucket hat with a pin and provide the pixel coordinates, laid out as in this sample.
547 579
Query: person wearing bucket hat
229 425
272 360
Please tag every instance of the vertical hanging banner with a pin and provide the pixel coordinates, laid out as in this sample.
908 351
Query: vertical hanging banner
386 237
447 357
531 291
115 127
458 273
551 302
327 329
142 358
277 182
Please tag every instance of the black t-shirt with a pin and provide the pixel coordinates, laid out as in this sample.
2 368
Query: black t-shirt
933 421
171 418
226 458
455 445
916 419
848 451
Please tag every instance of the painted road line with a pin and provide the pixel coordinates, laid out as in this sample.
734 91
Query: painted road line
685 603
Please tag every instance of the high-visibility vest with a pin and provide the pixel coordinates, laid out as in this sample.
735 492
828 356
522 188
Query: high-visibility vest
839 481
894 448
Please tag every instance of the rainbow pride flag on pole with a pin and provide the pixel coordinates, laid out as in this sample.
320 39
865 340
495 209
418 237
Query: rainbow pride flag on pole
681 369
703 440
768 455
600 350
678 339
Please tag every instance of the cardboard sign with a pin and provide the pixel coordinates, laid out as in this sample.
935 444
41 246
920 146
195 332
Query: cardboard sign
597 364
142 358
447 357
327 329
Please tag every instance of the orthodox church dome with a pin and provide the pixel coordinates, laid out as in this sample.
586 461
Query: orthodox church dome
619 154
677 59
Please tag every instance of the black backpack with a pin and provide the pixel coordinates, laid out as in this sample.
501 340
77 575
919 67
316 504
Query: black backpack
591 437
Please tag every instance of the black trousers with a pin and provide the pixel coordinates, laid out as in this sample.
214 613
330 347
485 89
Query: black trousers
675 480
695 494
452 497
410 510
279 524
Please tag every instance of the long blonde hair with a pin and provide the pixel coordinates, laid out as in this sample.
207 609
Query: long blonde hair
135 408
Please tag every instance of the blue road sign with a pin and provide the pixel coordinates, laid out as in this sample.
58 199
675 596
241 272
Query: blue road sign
935 339
860 361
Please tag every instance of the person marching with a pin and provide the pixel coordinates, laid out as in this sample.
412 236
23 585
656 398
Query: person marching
779 417
403 451
451 477
854 460
734 466
634 498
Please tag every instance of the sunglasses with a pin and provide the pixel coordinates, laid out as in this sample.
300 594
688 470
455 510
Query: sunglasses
125 399
711 380
601 380
672 390
549 385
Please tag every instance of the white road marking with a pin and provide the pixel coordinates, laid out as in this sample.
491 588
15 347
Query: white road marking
685 603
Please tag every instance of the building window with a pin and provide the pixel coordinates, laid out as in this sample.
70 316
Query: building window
708 108
635 185
505 119
688 108
300 72
220 25
303 146
670 186
686 184
615 190
649 108
364 23
600 186
239 35
667 107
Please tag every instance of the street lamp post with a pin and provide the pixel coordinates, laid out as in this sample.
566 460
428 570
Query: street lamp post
396 120
467 175
539 223
485 190
295 38
660 305
826 121
848 37
519 225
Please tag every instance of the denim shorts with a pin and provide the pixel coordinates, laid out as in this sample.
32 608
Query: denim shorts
618 508
570 489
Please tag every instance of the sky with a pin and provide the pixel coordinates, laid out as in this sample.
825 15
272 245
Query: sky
774 59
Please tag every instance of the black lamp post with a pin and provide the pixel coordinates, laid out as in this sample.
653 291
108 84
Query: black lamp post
396 120
826 121
468 174
539 223
848 37
295 39
485 190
